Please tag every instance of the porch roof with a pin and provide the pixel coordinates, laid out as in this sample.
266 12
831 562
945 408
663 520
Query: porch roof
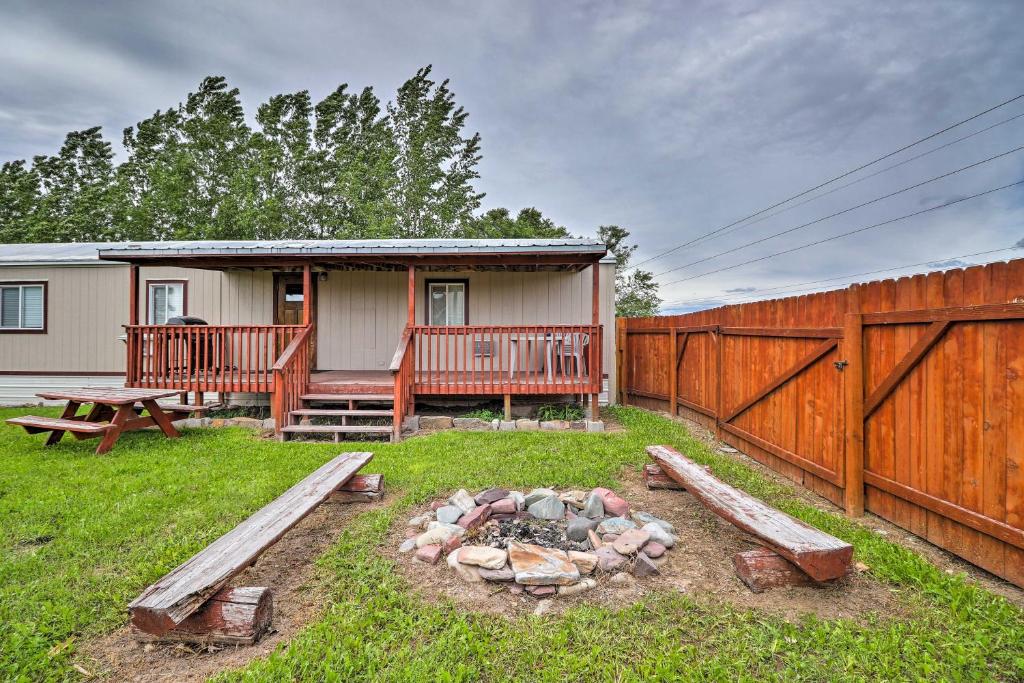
373 253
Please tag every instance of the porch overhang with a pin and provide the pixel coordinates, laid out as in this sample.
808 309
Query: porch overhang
561 254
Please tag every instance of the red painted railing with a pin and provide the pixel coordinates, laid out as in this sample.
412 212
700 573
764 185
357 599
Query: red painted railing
206 357
402 371
507 359
291 377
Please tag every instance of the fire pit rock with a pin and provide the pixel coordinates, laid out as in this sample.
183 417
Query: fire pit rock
543 543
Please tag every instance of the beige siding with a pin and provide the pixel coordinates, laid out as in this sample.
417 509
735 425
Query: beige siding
361 314
87 305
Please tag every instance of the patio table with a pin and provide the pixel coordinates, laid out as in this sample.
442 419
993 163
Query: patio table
113 412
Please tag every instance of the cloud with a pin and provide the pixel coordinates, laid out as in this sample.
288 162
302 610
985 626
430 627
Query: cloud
740 290
951 263
670 119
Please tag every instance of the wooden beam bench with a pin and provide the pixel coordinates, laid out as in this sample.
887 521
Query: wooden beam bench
34 424
170 601
822 556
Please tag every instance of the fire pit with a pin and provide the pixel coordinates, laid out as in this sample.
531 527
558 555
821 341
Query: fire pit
543 543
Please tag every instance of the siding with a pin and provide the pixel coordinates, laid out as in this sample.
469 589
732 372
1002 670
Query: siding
361 314
87 305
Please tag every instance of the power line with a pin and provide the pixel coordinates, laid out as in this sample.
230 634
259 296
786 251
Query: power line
796 286
840 213
832 180
846 234
868 177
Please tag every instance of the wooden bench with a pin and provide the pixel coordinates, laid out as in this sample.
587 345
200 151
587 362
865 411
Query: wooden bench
822 556
35 424
172 599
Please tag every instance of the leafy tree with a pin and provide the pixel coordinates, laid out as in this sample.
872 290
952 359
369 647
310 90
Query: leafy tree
76 190
436 165
281 169
354 171
153 182
528 222
19 200
636 294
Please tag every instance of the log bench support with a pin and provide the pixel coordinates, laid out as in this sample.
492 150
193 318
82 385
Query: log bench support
822 556
762 569
165 606
233 616
655 478
362 488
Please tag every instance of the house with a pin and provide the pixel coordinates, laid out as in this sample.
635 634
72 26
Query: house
319 328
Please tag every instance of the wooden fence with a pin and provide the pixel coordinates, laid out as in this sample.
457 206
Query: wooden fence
904 397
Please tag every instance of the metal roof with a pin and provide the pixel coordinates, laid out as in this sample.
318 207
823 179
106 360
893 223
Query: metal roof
354 247
109 252
64 253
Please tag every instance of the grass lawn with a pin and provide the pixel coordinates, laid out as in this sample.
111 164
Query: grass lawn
81 535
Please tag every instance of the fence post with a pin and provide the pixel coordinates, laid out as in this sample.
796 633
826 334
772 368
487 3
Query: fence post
853 382
716 334
620 359
673 378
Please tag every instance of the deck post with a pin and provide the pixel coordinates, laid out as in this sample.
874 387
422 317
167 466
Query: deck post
307 295
595 320
412 296
133 295
508 407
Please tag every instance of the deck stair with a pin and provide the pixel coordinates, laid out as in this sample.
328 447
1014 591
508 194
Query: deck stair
336 413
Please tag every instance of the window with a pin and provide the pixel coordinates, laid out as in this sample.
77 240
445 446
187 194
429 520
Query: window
447 302
166 301
23 307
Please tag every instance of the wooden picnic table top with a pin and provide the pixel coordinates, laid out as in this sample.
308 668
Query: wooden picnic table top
110 396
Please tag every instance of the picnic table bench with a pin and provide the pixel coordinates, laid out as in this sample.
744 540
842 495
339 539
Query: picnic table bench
113 412
820 555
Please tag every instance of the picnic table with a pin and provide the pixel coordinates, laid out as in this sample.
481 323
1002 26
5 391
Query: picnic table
112 412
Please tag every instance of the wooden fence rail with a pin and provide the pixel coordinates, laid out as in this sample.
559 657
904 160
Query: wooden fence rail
903 397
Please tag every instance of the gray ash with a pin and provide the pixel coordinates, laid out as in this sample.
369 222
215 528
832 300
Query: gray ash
545 533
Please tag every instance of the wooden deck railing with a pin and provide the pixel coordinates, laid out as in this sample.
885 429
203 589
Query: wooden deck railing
402 371
206 357
291 376
507 359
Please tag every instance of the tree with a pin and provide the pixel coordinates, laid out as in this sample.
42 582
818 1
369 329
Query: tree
19 201
76 189
497 223
636 294
280 169
435 165
354 168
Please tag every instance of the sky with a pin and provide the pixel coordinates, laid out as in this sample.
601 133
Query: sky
671 119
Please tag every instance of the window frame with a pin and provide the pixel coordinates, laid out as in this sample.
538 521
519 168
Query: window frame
46 306
184 297
446 281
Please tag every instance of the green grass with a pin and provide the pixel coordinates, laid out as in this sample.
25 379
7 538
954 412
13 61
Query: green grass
81 535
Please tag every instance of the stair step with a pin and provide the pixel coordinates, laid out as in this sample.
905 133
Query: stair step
338 429
337 412
337 398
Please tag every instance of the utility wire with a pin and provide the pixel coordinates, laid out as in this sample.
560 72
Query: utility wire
797 286
840 213
851 232
867 177
832 180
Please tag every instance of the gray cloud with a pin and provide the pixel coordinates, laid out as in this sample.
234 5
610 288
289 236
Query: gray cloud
671 119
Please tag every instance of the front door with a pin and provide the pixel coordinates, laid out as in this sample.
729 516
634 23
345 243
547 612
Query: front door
288 301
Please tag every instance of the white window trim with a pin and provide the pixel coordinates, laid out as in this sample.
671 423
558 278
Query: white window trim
21 285
150 300
465 302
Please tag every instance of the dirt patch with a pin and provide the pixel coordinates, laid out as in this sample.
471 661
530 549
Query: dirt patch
287 568
700 565
943 559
